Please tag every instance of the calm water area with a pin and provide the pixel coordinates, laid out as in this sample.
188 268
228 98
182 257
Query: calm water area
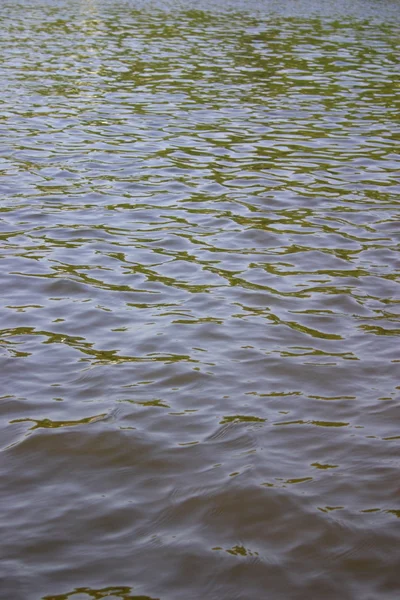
199 318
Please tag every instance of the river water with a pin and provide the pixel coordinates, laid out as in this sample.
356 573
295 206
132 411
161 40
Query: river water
199 308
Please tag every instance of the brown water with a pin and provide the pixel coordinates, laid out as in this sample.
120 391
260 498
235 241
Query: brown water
200 312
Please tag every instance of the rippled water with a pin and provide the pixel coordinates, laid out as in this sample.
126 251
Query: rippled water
200 310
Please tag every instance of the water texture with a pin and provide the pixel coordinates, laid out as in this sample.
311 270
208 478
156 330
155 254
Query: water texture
199 300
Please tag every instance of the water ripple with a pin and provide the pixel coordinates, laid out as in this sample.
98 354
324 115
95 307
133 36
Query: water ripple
200 299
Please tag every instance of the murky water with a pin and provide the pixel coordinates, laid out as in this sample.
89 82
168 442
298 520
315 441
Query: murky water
200 312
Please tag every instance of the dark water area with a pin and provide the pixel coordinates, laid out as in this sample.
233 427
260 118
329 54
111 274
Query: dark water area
199 321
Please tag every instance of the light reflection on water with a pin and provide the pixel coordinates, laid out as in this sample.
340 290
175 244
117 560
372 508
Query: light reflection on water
200 302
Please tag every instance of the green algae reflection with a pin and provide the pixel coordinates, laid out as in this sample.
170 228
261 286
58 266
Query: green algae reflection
49 424
122 593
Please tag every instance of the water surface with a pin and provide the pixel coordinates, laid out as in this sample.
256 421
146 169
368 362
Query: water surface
200 303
